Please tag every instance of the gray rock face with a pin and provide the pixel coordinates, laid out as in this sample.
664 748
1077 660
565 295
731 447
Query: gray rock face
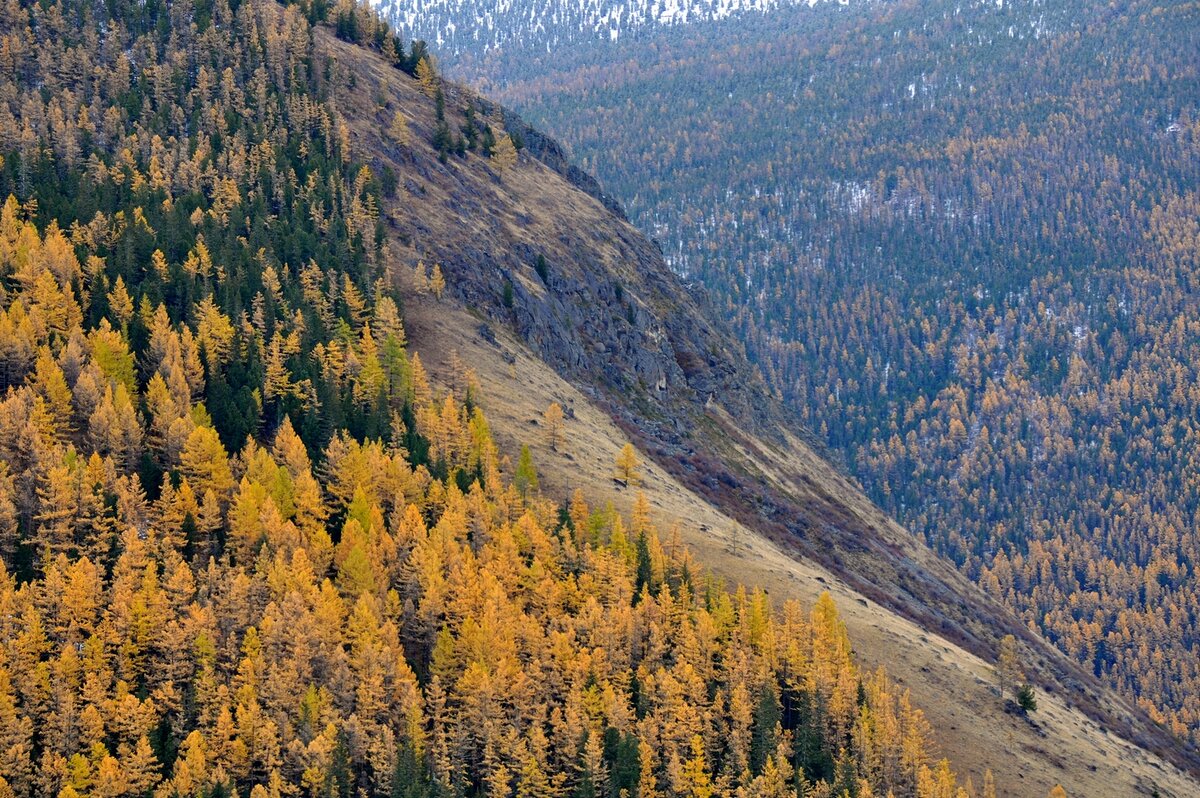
609 313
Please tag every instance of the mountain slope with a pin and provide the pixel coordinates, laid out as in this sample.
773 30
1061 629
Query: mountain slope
689 400
955 687
957 238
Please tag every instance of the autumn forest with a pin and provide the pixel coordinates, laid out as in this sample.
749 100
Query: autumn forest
249 548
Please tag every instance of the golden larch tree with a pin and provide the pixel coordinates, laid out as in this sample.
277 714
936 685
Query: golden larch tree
504 154
437 281
629 466
398 130
427 77
1009 672
553 418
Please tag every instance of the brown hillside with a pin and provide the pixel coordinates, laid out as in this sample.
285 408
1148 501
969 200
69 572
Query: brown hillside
613 336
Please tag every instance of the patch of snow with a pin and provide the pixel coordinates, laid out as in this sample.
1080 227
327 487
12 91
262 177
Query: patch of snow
458 25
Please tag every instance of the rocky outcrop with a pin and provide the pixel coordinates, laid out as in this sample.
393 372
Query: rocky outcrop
607 311
634 334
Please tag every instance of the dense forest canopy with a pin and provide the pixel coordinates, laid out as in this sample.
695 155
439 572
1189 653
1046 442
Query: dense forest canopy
246 548
961 240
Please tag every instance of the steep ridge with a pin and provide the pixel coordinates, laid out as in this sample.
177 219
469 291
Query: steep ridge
611 330
875 205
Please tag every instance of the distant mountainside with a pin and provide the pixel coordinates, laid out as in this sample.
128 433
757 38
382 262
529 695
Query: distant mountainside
959 240
462 28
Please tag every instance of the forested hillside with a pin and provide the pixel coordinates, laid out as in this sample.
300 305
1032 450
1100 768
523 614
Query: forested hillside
246 548
459 28
961 240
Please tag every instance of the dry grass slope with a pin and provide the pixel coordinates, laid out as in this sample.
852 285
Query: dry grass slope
955 688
